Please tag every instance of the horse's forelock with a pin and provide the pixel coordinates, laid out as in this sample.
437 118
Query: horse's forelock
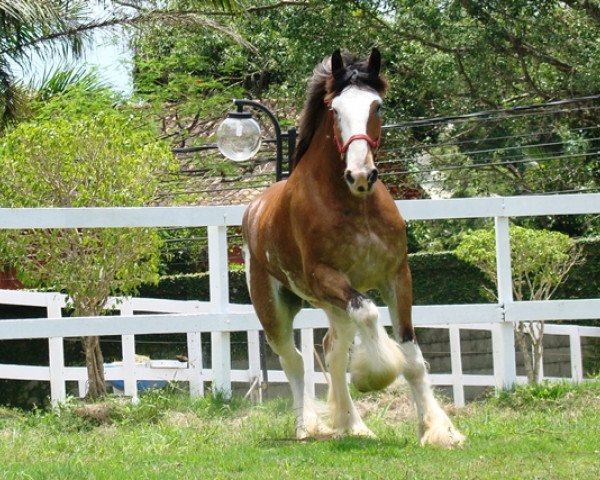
324 86
355 73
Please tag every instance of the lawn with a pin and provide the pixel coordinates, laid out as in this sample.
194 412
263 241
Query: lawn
545 432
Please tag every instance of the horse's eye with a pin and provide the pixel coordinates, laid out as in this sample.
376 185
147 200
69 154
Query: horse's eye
378 109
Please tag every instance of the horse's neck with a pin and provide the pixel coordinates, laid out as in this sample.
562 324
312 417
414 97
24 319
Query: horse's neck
321 163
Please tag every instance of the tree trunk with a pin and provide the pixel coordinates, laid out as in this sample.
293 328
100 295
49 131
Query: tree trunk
537 341
94 362
533 363
524 348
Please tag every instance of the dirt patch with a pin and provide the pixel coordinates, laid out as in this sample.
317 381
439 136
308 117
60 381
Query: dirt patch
98 413
394 403
181 419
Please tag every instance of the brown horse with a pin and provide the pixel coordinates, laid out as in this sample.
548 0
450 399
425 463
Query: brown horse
328 234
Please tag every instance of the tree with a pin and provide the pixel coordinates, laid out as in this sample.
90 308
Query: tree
441 57
62 27
540 261
21 23
66 157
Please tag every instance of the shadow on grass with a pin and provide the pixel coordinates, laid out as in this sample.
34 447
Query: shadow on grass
344 444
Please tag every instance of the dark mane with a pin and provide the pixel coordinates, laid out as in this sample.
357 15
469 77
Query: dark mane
323 87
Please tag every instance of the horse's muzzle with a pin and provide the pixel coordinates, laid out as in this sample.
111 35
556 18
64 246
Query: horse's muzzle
362 183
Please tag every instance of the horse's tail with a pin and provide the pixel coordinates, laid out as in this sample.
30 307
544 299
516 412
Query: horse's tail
377 360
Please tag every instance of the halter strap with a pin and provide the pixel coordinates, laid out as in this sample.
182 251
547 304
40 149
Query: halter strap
343 148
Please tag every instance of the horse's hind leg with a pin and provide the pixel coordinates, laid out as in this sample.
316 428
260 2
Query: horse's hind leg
434 425
276 307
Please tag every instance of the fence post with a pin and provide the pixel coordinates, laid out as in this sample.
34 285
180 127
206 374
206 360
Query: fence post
58 392
219 299
195 365
254 366
128 351
307 340
503 334
576 357
458 388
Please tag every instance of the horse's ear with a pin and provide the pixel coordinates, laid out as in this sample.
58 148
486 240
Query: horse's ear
375 62
337 63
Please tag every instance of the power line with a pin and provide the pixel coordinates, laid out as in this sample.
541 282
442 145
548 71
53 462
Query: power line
518 160
427 146
501 114
498 150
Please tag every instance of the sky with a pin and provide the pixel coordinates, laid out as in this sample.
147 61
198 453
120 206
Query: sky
107 53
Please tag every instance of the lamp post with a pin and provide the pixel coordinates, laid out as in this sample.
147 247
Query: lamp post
239 139
239 136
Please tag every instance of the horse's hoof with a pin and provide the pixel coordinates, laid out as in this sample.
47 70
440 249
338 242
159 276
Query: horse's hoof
318 431
355 431
443 435
302 433
363 432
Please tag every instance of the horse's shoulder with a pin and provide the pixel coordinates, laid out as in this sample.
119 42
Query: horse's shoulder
385 207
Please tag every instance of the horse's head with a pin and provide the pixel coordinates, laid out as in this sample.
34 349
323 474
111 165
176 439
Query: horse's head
355 99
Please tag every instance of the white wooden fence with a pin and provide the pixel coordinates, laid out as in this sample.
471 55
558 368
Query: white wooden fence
219 317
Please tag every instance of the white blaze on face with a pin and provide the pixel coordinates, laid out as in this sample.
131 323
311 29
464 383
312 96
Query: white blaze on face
353 108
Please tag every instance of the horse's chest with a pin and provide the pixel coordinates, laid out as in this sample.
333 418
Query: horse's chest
365 255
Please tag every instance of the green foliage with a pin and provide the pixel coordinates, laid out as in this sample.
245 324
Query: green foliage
67 157
540 258
196 286
543 395
430 273
189 75
441 58
584 279
430 286
59 81
24 26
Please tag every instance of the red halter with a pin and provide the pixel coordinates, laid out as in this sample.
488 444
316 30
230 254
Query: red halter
374 144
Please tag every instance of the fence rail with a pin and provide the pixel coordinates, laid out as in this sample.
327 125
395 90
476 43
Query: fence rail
219 318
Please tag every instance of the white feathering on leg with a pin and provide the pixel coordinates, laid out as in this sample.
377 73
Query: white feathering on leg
435 428
377 360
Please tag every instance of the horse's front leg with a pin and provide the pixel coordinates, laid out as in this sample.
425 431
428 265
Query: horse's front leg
434 425
345 419
276 307
376 362
332 288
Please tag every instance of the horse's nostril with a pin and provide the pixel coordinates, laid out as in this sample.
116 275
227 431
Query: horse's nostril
372 178
349 177
361 189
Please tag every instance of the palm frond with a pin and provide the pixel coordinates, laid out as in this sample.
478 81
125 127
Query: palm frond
57 81
223 5
25 25
13 97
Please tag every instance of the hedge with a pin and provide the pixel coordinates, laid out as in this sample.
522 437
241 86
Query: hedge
438 278
431 283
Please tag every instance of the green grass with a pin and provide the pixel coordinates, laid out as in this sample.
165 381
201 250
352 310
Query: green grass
545 432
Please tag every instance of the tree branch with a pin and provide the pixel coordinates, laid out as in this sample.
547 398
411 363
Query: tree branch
191 17
519 45
470 85
528 78
404 34
588 7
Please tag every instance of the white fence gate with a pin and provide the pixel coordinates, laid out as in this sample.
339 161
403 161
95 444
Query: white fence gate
219 317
